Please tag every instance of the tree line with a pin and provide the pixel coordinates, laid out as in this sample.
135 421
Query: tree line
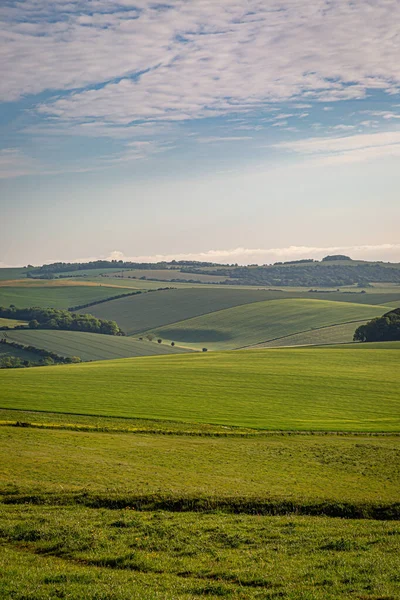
310 274
53 318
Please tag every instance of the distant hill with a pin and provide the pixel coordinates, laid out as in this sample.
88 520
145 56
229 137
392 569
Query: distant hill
332 271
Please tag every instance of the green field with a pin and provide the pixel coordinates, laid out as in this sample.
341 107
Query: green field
6 350
302 469
12 273
333 334
47 296
169 274
76 552
11 323
139 313
146 311
89 346
287 389
261 322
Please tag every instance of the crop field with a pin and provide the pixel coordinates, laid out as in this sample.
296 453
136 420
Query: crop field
89 346
62 296
260 322
169 274
333 334
10 323
12 273
284 389
139 313
6 350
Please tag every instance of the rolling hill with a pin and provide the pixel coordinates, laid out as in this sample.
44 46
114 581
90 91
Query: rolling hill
89 346
148 311
260 322
332 334
283 389
61 296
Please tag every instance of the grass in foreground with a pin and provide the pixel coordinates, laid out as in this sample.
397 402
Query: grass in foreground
308 471
290 389
76 553
90 346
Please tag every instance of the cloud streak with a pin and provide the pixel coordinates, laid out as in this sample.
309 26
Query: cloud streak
195 59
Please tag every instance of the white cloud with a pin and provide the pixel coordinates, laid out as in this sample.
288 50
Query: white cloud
13 163
388 252
195 59
215 139
349 149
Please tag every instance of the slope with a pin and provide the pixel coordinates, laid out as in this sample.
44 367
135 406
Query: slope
89 346
62 296
156 309
286 389
264 321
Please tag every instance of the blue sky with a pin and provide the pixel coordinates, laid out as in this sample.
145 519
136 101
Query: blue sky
240 130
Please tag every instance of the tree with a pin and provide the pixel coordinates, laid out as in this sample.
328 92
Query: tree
381 329
34 324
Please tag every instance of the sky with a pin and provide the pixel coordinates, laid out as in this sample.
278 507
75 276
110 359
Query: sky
224 130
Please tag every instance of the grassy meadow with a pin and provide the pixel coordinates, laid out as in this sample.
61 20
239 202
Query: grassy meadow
135 314
306 471
252 474
51 296
331 334
260 322
75 553
90 346
288 389
11 323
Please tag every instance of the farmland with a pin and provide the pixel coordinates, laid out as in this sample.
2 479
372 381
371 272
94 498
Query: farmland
259 322
331 334
286 389
158 472
168 275
140 313
62 296
11 323
89 346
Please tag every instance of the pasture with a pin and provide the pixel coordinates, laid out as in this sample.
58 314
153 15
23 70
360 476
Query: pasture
146 312
89 346
169 275
54 296
12 273
305 470
138 313
286 389
77 552
262 322
331 334
11 323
